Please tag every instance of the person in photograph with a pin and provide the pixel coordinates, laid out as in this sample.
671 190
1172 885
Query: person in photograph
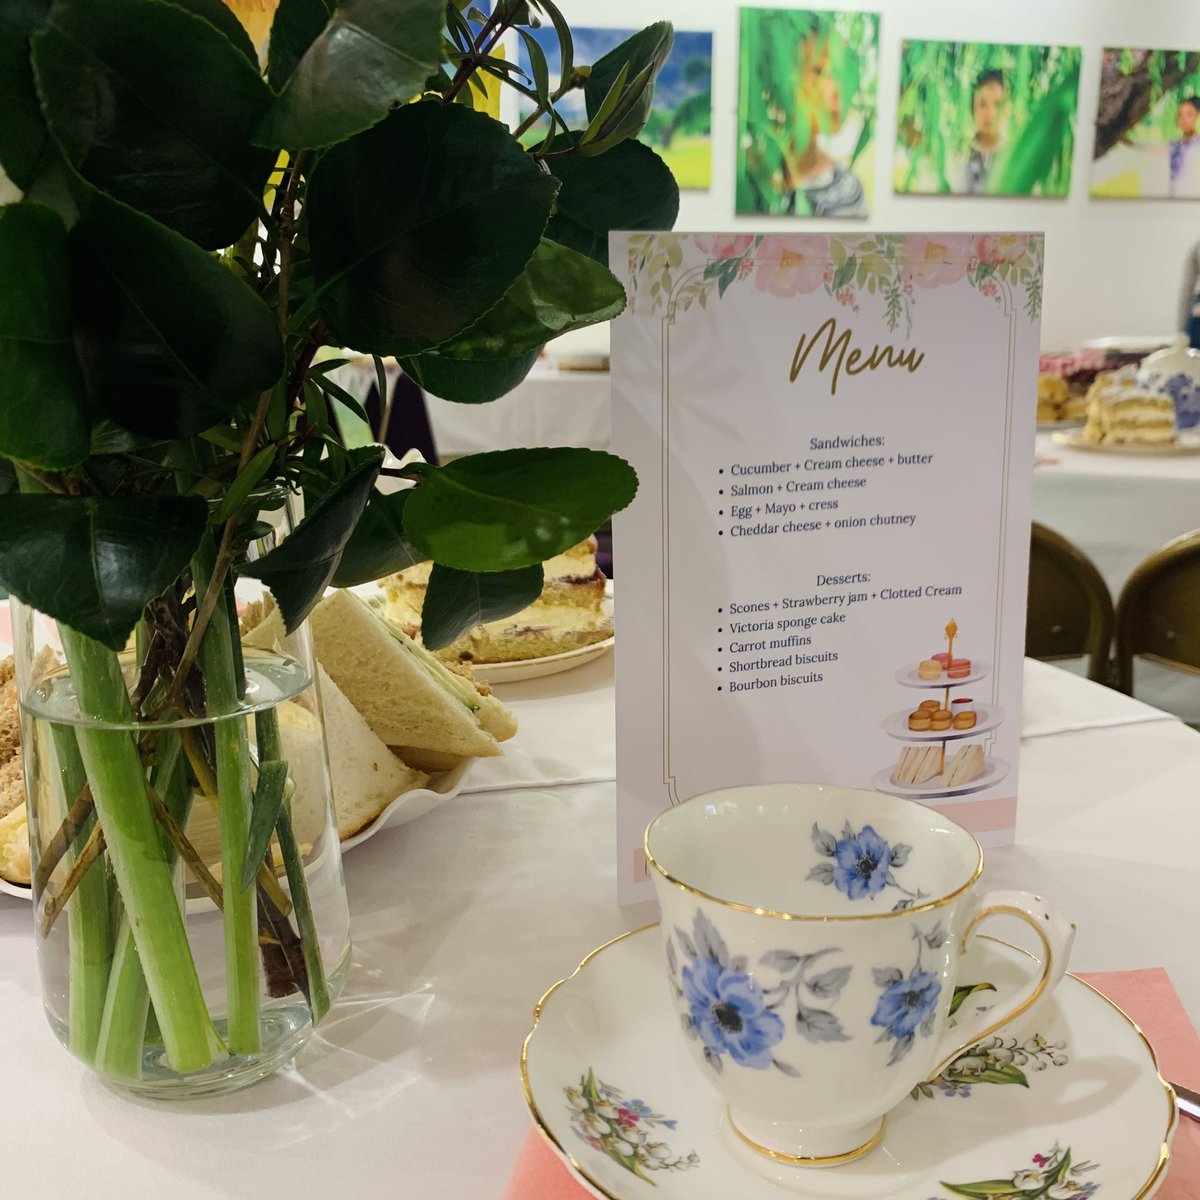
989 112
1183 152
831 189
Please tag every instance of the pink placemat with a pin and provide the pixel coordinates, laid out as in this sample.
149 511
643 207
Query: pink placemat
1147 996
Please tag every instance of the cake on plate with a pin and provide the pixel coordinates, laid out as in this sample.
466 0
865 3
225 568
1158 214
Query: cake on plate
1123 412
568 615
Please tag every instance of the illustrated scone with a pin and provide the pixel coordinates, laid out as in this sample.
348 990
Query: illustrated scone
566 616
940 719
917 765
920 720
966 765
965 717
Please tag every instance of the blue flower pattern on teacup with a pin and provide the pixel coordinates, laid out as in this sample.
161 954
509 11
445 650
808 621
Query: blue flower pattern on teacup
909 1003
864 864
734 1015
730 1013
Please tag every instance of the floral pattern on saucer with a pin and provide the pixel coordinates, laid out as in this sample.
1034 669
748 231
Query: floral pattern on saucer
1052 1176
623 1129
908 1006
863 864
731 1012
996 1060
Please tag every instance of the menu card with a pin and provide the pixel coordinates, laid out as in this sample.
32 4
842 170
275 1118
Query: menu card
823 577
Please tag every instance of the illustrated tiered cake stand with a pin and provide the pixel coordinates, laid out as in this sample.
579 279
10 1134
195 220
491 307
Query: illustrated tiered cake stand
988 717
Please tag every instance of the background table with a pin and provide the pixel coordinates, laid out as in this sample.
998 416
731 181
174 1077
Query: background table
1117 508
463 918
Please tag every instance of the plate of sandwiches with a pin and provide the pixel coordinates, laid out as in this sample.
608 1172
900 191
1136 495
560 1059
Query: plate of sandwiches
568 625
402 730
924 771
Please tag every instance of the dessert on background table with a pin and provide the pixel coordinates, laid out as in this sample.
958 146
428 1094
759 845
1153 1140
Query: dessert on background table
568 615
1121 411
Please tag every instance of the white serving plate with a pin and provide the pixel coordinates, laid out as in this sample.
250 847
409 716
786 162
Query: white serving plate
988 716
1184 443
908 676
534 668
1139 344
1092 1088
1056 426
994 770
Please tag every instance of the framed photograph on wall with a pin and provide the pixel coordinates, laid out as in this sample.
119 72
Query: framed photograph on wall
1148 125
680 124
977 118
806 112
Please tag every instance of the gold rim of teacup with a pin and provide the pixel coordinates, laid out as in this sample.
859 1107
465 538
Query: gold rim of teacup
785 916
810 1160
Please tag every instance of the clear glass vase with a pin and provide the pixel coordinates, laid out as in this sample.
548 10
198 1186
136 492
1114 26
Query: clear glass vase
190 909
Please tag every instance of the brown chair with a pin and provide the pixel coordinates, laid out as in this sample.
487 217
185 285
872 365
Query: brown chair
1069 612
1158 614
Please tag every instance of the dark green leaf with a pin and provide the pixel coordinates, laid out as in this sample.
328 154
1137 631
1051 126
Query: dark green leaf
558 291
94 562
22 129
299 569
264 811
467 382
245 482
43 419
297 24
369 58
456 601
630 187
420 225
513 508
647 49
220 15
539 67
607 106
566 46
377 547
155 106
171 341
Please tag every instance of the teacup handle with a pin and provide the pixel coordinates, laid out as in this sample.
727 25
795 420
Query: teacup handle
1057 935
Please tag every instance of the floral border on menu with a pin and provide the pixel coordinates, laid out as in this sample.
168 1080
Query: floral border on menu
1006 268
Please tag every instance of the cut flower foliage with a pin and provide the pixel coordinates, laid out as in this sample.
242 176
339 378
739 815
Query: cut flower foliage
197 223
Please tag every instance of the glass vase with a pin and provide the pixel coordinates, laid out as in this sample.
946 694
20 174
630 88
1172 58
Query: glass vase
190 912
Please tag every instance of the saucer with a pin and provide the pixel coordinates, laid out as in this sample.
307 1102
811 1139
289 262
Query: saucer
1067 1105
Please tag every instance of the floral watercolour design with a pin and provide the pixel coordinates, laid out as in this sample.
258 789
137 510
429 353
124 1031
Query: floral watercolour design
862 864
1005 268
625 1130
908 1006
1051 1176
731 1012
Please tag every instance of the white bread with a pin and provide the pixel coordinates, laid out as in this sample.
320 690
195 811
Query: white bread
366 776
407 696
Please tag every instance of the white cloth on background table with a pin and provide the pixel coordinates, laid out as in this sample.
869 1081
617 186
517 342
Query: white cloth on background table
551 407
463 918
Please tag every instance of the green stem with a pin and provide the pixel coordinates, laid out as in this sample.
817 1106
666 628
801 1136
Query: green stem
122 1039
87 912
233 791
143 873
266 728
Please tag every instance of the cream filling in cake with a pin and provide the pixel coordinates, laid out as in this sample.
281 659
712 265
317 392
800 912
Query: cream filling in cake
1120 411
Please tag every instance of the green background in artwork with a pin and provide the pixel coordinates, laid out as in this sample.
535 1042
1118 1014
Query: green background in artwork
935 124
781 112
1132 81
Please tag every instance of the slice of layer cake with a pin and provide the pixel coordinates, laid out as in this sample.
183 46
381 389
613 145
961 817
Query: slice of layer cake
1122 412
567 615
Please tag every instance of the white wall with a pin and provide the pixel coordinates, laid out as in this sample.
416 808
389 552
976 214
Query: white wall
1112 266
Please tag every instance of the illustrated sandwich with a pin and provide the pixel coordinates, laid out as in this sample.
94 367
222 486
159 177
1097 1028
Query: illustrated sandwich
967 764
917 765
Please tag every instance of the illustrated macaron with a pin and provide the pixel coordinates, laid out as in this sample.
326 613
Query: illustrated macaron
958 668
928 669
942 658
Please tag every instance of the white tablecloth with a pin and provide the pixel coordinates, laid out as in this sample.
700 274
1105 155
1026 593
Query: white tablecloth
552 407
463 918
1117 508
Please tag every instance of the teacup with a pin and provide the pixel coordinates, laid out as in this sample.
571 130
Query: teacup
812 938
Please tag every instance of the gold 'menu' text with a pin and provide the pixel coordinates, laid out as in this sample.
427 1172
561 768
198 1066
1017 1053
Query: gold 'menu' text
842 356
